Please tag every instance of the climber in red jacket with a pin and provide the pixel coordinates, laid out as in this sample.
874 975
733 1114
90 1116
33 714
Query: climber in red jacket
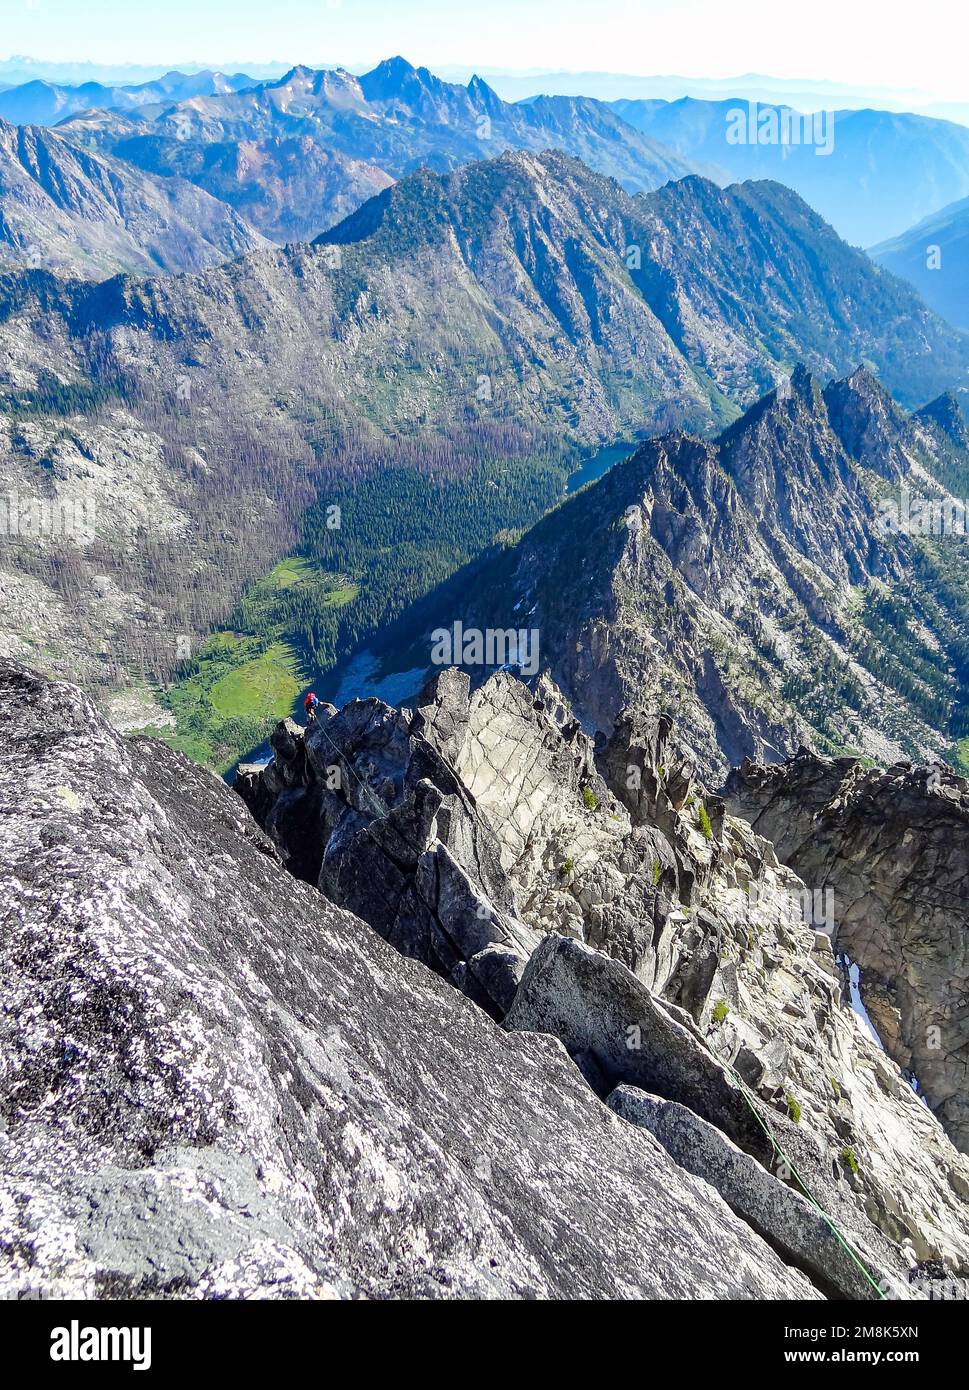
310 704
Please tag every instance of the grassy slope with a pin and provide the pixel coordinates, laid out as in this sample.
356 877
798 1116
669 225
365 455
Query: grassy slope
242 682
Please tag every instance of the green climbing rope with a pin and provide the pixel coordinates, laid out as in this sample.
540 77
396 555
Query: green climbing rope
801 1183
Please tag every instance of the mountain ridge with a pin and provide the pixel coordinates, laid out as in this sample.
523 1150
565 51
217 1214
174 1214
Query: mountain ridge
41 102
389 121
748 585
908 165
933 256
71 210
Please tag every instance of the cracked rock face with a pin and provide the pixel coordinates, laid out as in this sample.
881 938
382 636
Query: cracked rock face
638 903
217 1084
365 807
892 848
761 1162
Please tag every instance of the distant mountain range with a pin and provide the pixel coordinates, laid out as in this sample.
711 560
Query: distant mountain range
19 69
295 155
46 103
934 257
883 172
292 157
806 94
510 310
385 124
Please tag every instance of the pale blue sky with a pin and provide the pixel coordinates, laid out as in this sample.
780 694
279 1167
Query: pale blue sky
873 42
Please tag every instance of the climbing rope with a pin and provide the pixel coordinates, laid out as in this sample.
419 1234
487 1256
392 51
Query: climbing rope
801 1183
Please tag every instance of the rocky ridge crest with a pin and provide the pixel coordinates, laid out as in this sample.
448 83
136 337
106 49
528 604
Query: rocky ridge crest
600 894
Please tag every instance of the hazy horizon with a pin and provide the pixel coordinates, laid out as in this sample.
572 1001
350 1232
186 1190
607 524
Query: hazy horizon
692 40
516 84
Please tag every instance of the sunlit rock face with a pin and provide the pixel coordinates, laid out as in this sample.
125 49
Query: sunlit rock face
700 969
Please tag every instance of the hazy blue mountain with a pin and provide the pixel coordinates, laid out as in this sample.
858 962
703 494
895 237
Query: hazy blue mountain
387 123
885 171
46 103
934 257
43 103
806 94
179 86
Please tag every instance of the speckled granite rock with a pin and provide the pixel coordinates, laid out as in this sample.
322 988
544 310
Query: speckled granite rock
213 1083
778 1211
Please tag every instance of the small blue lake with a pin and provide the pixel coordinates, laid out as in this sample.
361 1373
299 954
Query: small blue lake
599 463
